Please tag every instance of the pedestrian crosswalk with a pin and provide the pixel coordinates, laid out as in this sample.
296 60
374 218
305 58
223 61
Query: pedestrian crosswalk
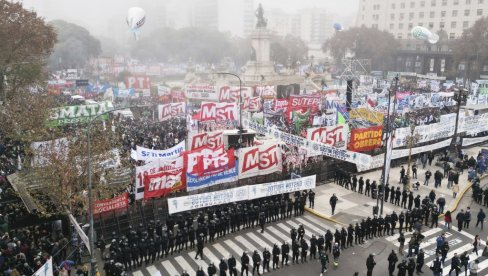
459 242
246 240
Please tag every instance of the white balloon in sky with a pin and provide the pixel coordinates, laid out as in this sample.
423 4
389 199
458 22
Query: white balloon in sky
422 33
136 17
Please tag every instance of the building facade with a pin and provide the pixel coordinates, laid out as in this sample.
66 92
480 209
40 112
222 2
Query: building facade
400 16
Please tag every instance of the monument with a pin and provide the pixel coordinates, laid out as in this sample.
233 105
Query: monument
260 68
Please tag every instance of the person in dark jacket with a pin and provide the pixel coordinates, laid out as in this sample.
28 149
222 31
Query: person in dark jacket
311 199
480 218
211 270
232 263
200 272
370 263
256 262
402 268
455 264
333 202
420 261
392 260
304 246
223 267
276 256
285 250
244 263
266 259
199 247
460 219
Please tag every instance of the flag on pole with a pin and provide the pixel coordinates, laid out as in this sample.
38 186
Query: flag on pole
340 118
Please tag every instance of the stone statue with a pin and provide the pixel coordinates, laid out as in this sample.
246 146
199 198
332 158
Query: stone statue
253 54
262 22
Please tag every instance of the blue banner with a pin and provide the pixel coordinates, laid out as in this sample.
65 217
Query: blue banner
194 182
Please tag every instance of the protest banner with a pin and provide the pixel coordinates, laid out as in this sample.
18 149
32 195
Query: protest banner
265 92
195 182
349 156
171 110
252 104
201 92
47 151
334 136
193 202
368 115
231 94
366 139
81 233
154 167
46 269
163 183
145 154
218 111
106 205
280 105
281 187
77 114
211 139
425 133
207 165
472 141
138 82
259 160
303 104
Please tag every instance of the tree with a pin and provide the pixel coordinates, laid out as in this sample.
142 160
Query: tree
288 49
365 43
26 42
74 48
472 48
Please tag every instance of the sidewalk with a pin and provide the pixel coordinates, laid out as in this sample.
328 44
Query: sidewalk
352 207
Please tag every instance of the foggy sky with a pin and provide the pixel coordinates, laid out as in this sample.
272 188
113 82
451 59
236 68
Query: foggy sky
106 18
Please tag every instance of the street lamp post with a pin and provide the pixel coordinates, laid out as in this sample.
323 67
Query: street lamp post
91 234
240 103
411 141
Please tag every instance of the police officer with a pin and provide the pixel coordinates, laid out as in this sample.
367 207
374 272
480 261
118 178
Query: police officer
276 256
350 235
285 250
328 240
320 243
256 262
231 262
301 232
211 270
304 246
266 259
293 234
295 248
223 267
392 260
262 221
361 185
199 247
135 255
311 199
313 247
244 263
356 234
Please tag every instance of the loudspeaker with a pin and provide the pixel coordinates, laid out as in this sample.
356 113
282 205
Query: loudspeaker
349 95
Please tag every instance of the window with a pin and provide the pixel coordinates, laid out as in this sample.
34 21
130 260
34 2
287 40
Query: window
400 26
444 2
421 14
392 16
480 1
479 12
442 25
466 12
431 25
485 67
392 26
454 13
456 2
432 14
375 26
452 36
411 15
432 3
453 24
468 2
376 16
412 5
410 26
399 36
443 13
465 24
393 6
402 5
422 4
402 16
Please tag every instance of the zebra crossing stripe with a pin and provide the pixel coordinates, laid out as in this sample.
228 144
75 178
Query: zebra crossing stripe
427 234
185 265
137 273
259 241
211 257
310 226
226 253
153 270
269 237
169 268
232 245
246 244
278 233
199 262
307 233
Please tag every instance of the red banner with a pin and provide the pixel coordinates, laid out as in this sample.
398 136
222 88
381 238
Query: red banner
303 104
231 94
106 205
138 82
215 164
218 111
211 139
171 110
161 184
365 139
252 104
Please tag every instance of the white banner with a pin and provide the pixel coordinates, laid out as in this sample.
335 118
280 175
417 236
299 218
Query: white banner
211 139
80 232
46 269
259 160
149 154
152 168
473 125
334 136
171 110
349 156
45 152
192 202
231 94
201 92
426 133
377 161
472 141
218 111
281 187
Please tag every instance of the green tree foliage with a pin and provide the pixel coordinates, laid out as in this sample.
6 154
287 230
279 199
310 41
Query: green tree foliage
472 48
288 49
199 45
74 48
25 43
366 43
